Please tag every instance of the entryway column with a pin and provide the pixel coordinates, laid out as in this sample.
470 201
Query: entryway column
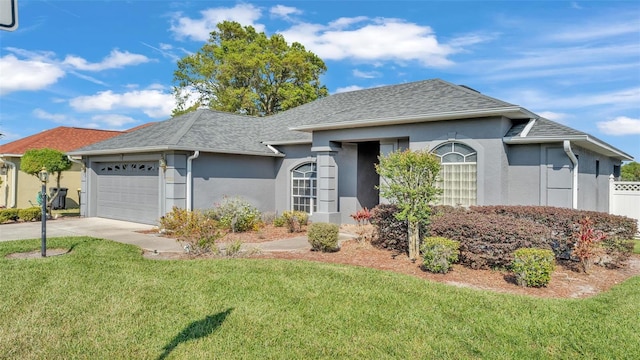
327 176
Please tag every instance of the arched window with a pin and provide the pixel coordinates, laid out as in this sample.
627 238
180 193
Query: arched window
303 188
457 174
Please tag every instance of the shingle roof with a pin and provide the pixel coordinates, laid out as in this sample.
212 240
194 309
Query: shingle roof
544 128
215 131
61 138
203 129
425 97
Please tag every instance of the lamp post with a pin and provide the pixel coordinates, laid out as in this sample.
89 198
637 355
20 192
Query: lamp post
44 177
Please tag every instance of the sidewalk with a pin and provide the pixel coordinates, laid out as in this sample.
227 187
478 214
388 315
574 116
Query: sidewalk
130 233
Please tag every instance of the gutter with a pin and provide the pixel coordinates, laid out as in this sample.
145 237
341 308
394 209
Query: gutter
586 140
189 179
574 187
82 165
14 183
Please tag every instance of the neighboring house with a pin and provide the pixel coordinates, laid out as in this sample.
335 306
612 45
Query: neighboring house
19 189
320 157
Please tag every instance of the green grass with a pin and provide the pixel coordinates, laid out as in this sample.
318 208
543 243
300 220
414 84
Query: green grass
104 301
636 248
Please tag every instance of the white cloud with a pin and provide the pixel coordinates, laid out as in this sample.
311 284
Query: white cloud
21 75
113 121
116 59
621 125
56 118
284 11
154 102
372 40
348 88
198 29
366 74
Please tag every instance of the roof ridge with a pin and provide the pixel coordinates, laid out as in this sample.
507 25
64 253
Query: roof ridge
184 128
472 91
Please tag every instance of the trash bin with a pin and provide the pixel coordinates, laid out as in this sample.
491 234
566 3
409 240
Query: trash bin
61 201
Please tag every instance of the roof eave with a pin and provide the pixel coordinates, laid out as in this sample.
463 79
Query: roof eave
585 141
288 142
512 112
167 148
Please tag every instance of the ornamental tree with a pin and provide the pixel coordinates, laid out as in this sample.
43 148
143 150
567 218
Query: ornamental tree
54 161
408 179
242 71
630 171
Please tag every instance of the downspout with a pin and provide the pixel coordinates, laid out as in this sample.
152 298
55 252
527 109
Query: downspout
14 183
82 166
574 187
189 179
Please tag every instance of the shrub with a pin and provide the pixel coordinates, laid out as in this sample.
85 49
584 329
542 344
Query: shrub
488 240
269 217
233 248
439 254
236 215
587 243
616 252
197 230
30 214
563 222
390 233
361 216
295 220
8 215
279 221
533 267
323 237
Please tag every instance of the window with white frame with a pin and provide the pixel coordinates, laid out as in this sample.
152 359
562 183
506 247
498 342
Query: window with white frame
457 174
303 188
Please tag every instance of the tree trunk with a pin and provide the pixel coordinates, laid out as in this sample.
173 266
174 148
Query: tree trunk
414 239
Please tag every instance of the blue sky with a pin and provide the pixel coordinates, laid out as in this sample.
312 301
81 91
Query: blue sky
109 64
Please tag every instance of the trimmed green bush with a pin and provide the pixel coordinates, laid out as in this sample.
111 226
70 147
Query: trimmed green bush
236 215
8 215
30 214
323 237
439 254
533 267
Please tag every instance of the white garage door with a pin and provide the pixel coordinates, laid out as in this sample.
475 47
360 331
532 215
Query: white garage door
128 191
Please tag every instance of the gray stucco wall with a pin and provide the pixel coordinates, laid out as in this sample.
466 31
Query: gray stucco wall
296 155
484 135
593 186
218 175
524 174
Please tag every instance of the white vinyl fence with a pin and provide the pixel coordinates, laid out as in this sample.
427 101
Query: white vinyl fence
624 198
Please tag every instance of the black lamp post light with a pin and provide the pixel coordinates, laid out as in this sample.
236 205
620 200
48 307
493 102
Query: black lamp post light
44 177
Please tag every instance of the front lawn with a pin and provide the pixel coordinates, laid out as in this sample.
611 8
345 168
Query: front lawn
636 248
104 301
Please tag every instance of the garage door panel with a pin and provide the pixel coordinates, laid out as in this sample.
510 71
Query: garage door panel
128 191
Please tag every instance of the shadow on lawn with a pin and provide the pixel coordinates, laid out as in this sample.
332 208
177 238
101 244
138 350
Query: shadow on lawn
195 330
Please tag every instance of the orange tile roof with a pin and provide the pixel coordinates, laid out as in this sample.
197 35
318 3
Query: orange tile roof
61 138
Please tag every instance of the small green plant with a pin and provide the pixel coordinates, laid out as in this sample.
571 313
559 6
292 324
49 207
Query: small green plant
236 215
8 215
198 231
587 243
30 214
439 254
323 237
233 248
533 267
295 220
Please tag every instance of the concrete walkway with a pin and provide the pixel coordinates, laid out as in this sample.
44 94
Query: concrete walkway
129 233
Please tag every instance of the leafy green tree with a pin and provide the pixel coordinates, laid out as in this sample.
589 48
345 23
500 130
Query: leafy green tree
54 161
240 70
408 179
630 171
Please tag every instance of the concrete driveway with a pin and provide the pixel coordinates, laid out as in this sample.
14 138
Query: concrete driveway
121 231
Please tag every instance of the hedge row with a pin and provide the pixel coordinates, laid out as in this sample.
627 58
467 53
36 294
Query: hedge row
489 240
28 214
489 235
